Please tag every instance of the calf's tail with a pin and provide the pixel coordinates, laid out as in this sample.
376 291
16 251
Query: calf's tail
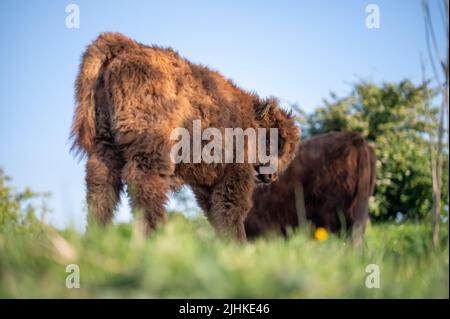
98 53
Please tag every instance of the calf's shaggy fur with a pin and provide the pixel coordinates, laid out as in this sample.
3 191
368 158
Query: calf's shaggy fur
129 99
337 172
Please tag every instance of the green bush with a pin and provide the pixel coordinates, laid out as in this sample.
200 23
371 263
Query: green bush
393 118
18 210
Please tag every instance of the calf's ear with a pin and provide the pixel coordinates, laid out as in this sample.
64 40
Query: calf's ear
263 110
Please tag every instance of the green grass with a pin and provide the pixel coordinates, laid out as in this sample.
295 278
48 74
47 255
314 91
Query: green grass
185 259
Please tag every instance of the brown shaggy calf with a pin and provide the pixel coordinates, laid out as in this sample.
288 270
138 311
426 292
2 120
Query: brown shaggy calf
130 97
337 172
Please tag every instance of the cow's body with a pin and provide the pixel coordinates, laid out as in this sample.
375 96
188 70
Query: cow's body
337 172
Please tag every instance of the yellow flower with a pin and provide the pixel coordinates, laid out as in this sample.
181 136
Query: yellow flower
321 234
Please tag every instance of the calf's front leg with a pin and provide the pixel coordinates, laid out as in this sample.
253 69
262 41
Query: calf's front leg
231 200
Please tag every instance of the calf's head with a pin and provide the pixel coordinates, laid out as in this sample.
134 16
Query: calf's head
281 140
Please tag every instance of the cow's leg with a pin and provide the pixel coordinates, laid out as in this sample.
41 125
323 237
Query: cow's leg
104 183
231 201
148 173
361 219
366 175
358 229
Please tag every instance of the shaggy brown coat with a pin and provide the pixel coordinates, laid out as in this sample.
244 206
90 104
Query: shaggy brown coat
337 172
129 99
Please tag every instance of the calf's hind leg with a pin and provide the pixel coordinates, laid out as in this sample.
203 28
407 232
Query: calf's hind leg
148 176
104 184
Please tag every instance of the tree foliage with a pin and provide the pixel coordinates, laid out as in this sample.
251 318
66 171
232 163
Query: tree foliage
394 118
18 210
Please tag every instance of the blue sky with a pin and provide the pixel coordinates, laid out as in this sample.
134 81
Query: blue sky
296 50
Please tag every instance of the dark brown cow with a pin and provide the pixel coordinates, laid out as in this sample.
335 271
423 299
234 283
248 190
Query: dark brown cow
337 174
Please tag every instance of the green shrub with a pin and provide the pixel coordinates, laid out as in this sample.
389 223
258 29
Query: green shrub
393 118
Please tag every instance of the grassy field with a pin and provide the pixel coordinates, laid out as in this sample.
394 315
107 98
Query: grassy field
185 259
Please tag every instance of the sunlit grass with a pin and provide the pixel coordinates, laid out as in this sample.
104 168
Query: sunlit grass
185 259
